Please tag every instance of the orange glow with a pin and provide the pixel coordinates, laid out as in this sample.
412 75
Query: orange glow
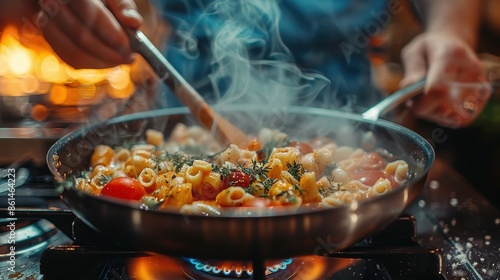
87 92
123 93
316 267
307 267
44 87
377 59
72 73
142 269
3 61
58 94
19 59
91 76
36 69
29 84
12 87
153 267
119 78
51 69
39 112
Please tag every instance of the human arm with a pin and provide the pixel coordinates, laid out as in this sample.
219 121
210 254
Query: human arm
89 33
445 54
16 12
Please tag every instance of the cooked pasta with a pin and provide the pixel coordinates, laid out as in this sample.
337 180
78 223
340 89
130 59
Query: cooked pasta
154 137
398 168
233 196
381 187
310 192
270 168
102 156
179 196
147 178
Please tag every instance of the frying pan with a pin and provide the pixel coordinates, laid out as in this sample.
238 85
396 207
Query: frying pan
250 234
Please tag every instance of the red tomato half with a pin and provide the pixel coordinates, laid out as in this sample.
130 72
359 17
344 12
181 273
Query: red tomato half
303 147
372 161
369 177
124 188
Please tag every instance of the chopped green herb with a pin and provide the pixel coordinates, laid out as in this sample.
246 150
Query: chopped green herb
296 170
104 179
328 169
268 147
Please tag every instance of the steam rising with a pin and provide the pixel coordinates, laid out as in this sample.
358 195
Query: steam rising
249 63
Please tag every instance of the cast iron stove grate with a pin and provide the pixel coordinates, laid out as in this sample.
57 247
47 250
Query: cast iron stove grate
390 254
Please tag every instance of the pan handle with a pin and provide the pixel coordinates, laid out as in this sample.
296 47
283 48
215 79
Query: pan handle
394 100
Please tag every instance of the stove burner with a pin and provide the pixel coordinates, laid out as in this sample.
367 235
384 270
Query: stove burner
30 236
237 270
392 253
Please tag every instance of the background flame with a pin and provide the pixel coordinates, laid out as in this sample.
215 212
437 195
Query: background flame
29 69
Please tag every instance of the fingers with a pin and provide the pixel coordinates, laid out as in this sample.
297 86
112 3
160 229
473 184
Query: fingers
436 98
455 91
414 63
457 74
98 18
69 50
126 13
83 37
414 57
86 34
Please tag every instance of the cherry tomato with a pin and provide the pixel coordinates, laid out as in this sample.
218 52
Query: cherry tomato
208 191
237 179
303 147
372 161
369 177
124 188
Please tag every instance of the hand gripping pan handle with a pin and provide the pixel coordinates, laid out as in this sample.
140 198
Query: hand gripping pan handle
394 100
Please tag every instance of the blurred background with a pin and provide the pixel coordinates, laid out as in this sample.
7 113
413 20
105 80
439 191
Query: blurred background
473 151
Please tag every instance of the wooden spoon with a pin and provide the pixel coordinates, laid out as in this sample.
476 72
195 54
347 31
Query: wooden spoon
225 132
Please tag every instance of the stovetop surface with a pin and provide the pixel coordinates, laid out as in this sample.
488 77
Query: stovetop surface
450 217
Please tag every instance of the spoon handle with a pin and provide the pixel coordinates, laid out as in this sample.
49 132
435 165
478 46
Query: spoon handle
223 129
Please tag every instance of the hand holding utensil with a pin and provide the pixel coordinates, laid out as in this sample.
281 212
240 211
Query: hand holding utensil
225 131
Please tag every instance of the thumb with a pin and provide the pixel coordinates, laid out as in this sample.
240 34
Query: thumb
125 12
415 65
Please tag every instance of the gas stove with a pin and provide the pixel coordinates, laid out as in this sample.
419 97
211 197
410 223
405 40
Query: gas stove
449 232
378 257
